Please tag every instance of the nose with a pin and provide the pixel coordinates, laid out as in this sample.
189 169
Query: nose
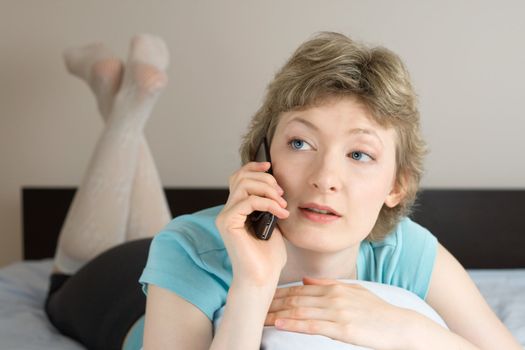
326 174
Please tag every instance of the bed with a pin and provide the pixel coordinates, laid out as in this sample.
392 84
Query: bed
482 228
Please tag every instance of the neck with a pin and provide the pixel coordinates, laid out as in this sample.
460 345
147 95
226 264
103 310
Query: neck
307 263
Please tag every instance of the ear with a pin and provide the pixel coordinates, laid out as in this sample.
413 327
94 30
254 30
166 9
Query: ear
397 193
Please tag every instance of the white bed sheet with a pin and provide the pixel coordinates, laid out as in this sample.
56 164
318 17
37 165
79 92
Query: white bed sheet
24 325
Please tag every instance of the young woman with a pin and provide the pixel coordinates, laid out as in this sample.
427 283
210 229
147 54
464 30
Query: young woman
343 128
347 157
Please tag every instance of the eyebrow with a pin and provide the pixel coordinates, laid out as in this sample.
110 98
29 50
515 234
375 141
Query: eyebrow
351 131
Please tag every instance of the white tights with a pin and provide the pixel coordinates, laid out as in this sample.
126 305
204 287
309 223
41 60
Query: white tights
121 197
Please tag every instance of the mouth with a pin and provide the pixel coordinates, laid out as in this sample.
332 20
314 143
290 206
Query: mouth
319 209
319 213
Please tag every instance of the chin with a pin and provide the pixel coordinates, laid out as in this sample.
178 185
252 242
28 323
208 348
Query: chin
321 241
318 237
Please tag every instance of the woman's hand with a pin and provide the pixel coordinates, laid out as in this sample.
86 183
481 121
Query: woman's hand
346 312
254 262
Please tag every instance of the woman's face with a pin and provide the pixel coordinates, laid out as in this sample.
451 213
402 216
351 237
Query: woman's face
334 158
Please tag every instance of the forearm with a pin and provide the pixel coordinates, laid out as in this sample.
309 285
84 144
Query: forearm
428 335
243 321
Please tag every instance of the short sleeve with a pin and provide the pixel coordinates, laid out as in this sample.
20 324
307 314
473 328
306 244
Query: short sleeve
417 258
189 259
405 258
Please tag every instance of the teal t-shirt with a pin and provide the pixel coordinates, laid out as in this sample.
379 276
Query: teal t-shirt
188 257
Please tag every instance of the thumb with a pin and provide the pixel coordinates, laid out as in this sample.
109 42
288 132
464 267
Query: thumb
319 281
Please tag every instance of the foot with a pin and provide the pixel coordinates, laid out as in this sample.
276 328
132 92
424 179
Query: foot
100 69
144 75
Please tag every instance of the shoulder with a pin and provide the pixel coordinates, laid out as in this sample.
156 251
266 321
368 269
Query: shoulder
193 236
195 232
406 230
406 240
188 257
405 258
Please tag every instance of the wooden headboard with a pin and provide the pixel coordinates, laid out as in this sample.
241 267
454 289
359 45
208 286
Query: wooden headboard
482 228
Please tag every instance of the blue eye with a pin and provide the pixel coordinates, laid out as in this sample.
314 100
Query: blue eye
356 155
298 144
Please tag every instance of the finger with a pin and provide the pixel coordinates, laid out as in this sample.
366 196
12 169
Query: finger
334 286
320 281
290 302
256 166
320 327
301 313
253 203
309 290
249 186
254 170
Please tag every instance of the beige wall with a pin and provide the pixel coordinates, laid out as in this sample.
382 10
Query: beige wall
466 58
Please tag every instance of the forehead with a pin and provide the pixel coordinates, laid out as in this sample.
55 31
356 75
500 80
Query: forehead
333 114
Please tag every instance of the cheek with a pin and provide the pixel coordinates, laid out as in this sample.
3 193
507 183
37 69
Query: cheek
282 167
367 198
287 176
371 190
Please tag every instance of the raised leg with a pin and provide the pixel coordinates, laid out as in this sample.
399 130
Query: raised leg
101 212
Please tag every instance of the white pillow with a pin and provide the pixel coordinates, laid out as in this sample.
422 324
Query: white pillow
274 339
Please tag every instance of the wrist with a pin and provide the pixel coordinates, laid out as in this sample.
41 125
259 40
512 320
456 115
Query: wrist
243 320
266 281
415 330
256 298
247 289
423 333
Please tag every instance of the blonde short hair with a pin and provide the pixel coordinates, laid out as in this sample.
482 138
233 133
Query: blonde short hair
333 65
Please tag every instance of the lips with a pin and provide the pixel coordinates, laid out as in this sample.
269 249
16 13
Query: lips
319 209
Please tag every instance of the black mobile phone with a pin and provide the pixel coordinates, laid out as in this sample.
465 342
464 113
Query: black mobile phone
263 222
